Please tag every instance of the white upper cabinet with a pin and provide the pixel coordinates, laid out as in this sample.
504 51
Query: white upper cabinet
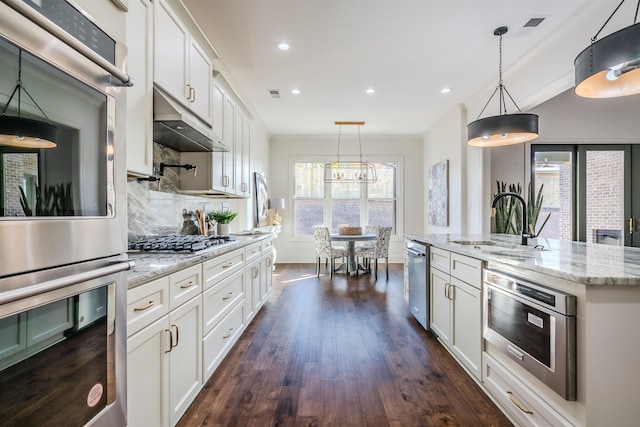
140 95
181 67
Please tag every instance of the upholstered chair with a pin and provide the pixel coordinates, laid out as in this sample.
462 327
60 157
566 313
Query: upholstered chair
379 249
324 249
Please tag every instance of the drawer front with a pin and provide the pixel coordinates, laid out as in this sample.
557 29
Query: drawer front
467 269
217 343
440 259
267 245
184 285
220 299
520 402
146 304
252 251
216 269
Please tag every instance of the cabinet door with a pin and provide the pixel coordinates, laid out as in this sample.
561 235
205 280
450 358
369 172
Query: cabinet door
200 84
252 297
49 321
148 376
466 332
185 358
245 158
140 95
170 57
217 109
229 140
440 305
13 335
267 274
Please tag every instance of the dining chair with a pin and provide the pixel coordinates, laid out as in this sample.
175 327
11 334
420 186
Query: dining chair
324 249
379 249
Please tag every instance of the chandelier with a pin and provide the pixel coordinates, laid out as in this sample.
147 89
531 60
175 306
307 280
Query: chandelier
349 171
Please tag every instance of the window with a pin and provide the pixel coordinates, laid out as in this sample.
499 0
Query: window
356 204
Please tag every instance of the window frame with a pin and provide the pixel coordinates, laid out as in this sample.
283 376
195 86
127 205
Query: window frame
399 191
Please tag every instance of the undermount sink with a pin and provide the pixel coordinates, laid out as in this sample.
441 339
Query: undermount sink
491 245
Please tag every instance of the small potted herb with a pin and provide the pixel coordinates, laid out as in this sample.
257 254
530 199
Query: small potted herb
222 219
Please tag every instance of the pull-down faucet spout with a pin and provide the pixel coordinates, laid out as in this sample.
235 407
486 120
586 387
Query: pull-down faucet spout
525 235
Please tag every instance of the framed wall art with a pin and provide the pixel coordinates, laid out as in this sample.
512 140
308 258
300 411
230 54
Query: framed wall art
262 201
438 197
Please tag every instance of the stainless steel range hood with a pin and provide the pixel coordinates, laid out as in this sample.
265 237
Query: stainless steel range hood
176 127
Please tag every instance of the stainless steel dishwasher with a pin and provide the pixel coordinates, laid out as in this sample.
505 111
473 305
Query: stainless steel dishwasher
416 257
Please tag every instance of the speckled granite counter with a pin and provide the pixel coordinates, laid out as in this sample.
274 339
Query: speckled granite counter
586 263
150 266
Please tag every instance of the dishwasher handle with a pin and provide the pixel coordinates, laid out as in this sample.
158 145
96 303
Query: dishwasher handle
415 252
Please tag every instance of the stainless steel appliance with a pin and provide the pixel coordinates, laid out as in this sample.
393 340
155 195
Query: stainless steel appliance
63 221
535 326
416 258
52 199
188 243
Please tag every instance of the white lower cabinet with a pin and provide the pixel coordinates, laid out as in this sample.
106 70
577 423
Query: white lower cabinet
180 327
148 376
522 404
456 306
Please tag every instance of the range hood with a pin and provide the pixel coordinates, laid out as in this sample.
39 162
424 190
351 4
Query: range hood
176 127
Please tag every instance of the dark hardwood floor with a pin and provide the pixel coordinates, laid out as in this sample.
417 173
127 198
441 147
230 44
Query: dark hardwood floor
341 352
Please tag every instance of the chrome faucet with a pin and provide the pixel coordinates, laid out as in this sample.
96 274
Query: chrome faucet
525 235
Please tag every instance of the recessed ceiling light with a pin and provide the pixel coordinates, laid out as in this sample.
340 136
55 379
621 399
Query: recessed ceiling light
371 90
445 90
295 91
283 45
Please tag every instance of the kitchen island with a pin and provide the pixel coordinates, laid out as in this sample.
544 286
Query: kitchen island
604 280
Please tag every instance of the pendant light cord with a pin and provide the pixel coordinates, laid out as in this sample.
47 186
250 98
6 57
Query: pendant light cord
502 107
19 88
635 19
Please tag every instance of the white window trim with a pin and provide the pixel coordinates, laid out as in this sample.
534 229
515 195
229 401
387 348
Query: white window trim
399 160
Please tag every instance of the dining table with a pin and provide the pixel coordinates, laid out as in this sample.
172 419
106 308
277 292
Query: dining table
351 240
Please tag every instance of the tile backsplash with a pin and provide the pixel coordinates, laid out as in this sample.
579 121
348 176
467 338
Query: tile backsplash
156 207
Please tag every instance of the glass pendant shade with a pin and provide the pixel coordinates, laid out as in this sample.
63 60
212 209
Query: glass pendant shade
505 129
609 68
26 133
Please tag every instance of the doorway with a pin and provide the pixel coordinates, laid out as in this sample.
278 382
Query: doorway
589 192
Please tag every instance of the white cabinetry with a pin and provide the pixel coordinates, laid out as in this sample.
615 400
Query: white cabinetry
164 373
252 274
223 172
456 306
181 67
140 95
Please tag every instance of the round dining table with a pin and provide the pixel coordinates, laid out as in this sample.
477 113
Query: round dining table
351 240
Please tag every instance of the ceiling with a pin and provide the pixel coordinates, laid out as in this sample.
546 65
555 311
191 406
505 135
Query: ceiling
407 50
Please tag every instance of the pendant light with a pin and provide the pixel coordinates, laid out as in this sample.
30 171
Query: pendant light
349 172
608 68
503 129
17 131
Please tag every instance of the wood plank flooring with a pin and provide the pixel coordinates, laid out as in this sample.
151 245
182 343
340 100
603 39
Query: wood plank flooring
341 352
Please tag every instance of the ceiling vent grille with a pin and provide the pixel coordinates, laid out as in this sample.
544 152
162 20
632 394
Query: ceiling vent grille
275 93
533 22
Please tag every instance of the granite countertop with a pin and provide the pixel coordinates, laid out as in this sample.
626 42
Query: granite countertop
150 266
586 263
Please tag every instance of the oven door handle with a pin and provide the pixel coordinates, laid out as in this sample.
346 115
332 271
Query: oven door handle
61 282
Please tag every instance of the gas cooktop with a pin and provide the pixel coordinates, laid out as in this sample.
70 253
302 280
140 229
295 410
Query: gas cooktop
190 243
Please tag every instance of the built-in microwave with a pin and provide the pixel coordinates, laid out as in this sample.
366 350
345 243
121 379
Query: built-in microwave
65 204
535 326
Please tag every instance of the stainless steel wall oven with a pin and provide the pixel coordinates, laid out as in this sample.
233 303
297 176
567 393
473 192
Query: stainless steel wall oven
535 326
63 238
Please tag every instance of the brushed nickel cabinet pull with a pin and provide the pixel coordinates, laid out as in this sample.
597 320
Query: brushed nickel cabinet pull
227 265
192 94
515 402
228 296
188 96
145 307
177 334
170 341
228 334
188 285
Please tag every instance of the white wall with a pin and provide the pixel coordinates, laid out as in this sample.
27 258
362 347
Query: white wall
283 149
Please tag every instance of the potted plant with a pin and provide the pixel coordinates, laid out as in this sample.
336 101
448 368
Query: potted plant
222 219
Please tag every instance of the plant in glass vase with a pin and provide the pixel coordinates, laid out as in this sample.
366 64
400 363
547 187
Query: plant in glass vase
222 219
